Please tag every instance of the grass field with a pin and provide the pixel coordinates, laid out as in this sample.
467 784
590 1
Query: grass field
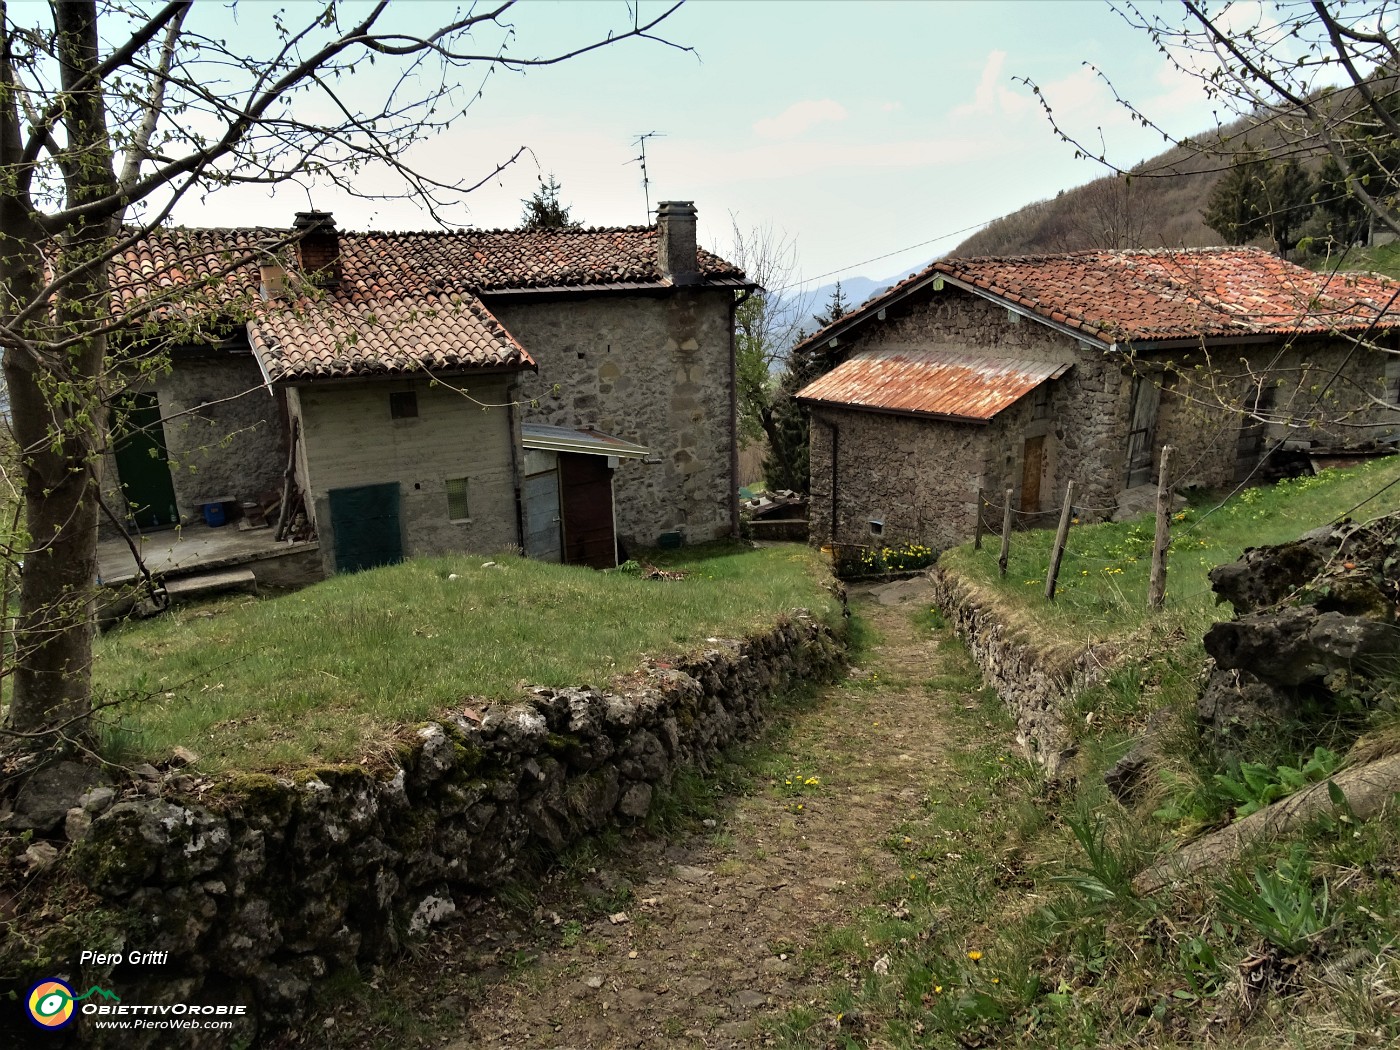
324 674
1102 592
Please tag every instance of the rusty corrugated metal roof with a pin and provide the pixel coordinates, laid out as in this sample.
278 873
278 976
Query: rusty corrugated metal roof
939 383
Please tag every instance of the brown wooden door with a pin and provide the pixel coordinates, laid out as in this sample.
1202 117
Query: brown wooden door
1142 427
585 489
1033 464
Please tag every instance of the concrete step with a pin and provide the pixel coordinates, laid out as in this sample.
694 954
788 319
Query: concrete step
190 588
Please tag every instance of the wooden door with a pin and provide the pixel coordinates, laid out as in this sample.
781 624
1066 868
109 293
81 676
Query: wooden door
143 465
1142 427
1032 466
365 525
585 485
543 539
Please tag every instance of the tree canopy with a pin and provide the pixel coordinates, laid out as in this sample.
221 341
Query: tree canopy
545 211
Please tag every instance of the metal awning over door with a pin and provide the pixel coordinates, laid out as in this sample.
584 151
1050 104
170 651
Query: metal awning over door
568 493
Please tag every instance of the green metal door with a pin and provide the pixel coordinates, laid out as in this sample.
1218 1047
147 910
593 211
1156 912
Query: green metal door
365 524
143 466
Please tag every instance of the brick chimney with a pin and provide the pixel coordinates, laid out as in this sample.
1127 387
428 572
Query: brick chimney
675 221
318 247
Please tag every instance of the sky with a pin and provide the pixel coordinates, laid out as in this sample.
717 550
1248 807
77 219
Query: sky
875 135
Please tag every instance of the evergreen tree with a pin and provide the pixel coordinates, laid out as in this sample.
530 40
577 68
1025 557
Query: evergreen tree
787 465
1237 203
543 211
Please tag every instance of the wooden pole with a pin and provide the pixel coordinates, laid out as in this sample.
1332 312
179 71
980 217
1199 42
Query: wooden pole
1053 575
1157 583
1005 533
977 530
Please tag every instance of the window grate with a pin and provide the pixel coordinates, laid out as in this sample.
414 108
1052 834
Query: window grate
457 499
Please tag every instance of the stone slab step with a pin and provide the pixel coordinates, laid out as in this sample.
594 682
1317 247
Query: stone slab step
188 588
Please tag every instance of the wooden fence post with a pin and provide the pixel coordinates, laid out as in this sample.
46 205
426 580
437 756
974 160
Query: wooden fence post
1005 533
1157 583
1053 575
977 531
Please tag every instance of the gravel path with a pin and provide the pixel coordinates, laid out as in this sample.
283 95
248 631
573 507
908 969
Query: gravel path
706 946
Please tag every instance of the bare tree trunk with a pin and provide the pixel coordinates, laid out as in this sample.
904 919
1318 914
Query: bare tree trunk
58 410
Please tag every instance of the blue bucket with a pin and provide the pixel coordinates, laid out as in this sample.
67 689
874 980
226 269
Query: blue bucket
214 515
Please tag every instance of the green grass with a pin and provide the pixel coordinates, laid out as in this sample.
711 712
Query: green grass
1014 921
1102 590
325 674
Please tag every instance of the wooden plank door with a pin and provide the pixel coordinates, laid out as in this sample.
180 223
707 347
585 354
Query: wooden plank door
1032 466
365 525
585 484
143 465
543 539
1142 428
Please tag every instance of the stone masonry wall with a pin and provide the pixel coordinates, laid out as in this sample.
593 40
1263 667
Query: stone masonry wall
918 476
223 429
1036 686
655 370
1084 424
263 884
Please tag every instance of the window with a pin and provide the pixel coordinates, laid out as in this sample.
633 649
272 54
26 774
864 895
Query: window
403 404
457 499
1392 378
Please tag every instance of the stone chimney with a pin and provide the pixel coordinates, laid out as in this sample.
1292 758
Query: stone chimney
318 247
675 221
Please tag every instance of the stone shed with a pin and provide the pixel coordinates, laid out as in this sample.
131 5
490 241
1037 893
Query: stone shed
976 375
404 382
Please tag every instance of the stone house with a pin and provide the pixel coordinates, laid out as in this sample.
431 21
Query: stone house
558 391
977 375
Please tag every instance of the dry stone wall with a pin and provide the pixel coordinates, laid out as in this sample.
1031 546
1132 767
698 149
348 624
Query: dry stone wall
1036 685
264 884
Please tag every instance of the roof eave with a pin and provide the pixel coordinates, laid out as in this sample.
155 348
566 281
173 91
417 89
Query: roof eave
852 406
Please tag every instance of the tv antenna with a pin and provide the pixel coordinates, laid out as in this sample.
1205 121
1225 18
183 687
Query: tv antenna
641 143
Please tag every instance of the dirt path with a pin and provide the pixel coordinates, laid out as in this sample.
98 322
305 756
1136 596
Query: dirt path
701 944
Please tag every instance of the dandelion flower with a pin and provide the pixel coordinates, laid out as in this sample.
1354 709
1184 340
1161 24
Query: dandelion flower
974 955
937 989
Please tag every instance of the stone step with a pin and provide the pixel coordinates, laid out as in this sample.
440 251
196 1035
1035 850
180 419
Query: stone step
190 588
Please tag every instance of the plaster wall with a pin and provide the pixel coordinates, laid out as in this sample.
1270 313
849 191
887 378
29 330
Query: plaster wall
348 439
655 370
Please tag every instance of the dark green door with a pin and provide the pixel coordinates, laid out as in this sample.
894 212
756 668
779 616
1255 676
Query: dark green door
365 523
143 467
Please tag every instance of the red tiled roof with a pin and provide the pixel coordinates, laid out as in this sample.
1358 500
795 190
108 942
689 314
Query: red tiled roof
334 338
377 320
930 383
1164 294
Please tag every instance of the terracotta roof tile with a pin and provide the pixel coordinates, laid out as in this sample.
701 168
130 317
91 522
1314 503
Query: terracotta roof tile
938 383
405 301
334 338
1167 294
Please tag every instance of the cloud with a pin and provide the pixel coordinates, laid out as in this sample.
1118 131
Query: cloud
993 97
799 117
891 107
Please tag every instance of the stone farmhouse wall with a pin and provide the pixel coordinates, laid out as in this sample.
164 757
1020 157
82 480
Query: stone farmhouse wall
349 439
264 884
896 470
1084 424
921 475
656 370
223 429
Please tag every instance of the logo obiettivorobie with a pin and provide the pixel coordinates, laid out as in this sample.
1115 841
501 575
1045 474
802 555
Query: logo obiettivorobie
51 1002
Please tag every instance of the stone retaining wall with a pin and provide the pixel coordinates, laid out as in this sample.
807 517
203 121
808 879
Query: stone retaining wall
1037 685
263 884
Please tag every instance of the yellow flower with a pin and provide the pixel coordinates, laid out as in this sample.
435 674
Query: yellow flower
974 955
937 989
996 980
